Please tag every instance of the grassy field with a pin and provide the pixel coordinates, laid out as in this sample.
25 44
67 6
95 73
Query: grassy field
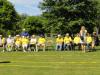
50 63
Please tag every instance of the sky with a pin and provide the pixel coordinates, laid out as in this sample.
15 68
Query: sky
29 7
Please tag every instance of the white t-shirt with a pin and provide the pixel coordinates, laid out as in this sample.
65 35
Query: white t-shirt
33 41
10 41
0 41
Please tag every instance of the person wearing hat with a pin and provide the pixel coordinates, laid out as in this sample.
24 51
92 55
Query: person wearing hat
33 41
59 42
67 42
24 33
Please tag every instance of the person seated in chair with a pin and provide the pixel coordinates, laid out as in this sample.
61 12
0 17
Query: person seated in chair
95 41
10 43
33 41
89 41
17 42
3 42
67 42
76 41
59 42
25 43
41 43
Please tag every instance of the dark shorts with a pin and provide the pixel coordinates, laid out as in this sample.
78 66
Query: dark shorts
82 38
32 45
1 45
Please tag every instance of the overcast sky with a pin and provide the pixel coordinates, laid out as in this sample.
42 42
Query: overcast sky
29 7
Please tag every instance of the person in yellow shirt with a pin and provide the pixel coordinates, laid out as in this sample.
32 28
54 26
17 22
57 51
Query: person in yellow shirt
59 42
25 42
0 40
89 41
17 42
41 43
77 41
67 42
3 42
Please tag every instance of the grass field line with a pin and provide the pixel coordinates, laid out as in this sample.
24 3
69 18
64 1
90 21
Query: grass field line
59 55
38 66
49 55
52 62
2 65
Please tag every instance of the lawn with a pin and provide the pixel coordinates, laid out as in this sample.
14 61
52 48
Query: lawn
50 63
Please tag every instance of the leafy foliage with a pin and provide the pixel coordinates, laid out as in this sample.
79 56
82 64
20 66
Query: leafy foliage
34 24
59 16
68 15
8 17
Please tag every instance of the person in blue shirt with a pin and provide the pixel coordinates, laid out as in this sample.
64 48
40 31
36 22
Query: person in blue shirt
24 33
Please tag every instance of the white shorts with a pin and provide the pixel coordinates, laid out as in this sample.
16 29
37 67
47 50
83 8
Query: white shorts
9 44
18 45
25 45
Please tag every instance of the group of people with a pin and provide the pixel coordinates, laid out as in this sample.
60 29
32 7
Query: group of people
22 41
83 40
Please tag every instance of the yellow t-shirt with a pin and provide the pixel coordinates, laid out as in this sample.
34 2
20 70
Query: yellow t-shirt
24 41
41 40
59 40
67 40
18 41
3 40
77 40
89 39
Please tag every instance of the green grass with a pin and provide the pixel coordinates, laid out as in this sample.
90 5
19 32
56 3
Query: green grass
50 63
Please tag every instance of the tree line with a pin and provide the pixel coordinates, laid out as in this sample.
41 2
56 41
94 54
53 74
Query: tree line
59 16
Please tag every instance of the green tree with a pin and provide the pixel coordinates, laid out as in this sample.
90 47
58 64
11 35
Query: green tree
8 17
34 24
69 15
19 24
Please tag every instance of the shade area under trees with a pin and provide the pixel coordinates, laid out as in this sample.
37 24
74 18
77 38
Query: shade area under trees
59 16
